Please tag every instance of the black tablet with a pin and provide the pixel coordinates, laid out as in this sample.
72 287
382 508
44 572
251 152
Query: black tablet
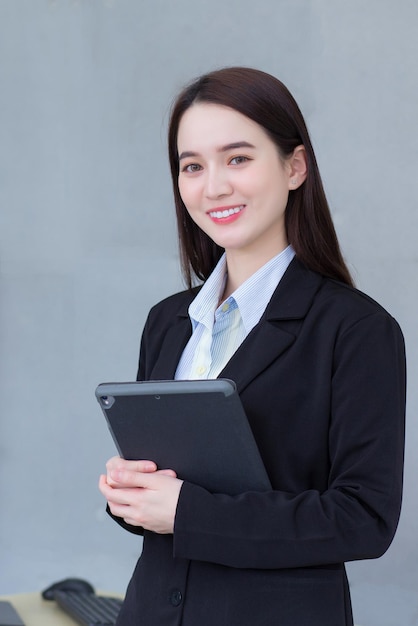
198 428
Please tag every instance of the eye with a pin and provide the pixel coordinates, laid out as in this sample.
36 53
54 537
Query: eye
191 168
238 160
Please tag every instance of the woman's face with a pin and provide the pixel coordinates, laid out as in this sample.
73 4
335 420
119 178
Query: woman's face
232 180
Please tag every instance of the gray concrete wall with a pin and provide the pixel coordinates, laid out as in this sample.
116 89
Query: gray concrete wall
88 243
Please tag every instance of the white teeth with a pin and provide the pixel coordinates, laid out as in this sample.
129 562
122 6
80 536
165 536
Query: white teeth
226 212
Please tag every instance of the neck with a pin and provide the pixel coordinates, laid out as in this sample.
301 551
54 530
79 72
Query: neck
241 266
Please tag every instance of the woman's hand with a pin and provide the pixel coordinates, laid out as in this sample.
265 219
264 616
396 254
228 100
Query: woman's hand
140 494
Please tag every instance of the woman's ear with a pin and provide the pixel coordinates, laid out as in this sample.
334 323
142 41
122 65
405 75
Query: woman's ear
298 168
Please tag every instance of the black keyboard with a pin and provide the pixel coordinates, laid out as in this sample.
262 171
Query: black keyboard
88 609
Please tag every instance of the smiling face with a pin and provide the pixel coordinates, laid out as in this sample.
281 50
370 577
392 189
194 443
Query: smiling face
232 180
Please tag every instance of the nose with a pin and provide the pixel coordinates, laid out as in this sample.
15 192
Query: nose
217 183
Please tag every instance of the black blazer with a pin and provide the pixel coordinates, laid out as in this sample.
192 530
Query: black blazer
322 380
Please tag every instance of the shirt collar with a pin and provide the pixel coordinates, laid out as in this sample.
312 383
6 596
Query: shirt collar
203 307
251 297
254 294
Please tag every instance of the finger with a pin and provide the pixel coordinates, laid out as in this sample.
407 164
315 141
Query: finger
128 479
142 466
167 472
123 497
121 473
117 462
104 487
102 478
124 478
113 461
117 496
120 510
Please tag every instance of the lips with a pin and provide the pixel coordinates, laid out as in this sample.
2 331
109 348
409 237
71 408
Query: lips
226 213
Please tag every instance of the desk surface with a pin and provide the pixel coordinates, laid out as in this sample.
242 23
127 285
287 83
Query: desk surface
35 611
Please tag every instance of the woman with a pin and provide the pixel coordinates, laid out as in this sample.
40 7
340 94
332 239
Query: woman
319 366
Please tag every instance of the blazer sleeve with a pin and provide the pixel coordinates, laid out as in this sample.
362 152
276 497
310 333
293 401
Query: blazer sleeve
135 530
356 516
159 321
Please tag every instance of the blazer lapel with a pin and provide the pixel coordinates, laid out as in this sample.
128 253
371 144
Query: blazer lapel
172 347
278 327
262 346
273 335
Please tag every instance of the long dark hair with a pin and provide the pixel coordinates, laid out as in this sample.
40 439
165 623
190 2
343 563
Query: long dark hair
265 100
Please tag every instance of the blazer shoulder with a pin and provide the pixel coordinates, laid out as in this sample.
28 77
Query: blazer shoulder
303 292
174 305
350 296
350 303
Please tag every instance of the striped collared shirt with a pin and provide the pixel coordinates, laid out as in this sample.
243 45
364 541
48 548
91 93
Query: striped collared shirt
218 331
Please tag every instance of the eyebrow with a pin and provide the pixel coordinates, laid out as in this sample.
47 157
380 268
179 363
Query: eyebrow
226 148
